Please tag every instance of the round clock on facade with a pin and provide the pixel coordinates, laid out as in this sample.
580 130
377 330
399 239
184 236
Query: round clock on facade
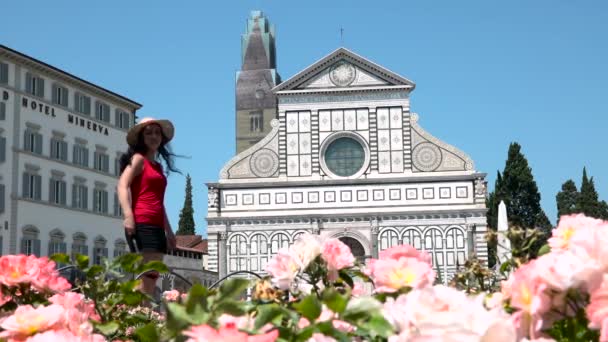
342 74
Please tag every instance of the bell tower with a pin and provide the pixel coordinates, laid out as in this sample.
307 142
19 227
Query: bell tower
255 103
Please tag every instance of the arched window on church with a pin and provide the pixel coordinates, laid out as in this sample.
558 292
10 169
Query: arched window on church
256 121
435 246
455 248
238 251
278 241
388 238
412 237
120 247
259 252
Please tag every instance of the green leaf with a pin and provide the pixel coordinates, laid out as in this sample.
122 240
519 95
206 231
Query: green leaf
334 300
148 333
197 296
233 287
128 262
82 261
266 314
60 258
179 313
347 278
309 307
230 307
545 249
378 326
133 298
154 265
305 334
94 270
108 328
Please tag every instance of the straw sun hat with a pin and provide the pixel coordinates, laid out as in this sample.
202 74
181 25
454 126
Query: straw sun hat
165 125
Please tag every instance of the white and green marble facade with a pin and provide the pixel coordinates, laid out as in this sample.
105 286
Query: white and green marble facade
412 187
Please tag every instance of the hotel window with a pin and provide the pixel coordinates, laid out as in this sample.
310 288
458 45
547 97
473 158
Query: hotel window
3 73
57 243
120 248
256 121
80 195
57 190
80 155
2 149
34 85
101 161
100 252
123 119
32 141
31 185
60 95
59 148
117 164
2 111
79 245
117 207
82 103
100 201
30 243
102 111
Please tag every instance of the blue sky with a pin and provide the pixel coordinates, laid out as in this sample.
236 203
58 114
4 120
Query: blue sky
487 73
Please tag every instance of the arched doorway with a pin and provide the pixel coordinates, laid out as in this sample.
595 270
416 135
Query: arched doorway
355 247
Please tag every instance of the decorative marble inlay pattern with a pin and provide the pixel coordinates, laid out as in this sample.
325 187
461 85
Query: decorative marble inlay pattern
342 74
427 157
264 163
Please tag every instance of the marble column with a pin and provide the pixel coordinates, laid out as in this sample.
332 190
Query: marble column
470 239
375 230
223 256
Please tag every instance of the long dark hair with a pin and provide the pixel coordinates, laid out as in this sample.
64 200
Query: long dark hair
164 150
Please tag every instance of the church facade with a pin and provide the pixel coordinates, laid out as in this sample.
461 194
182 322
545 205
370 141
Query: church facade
347 158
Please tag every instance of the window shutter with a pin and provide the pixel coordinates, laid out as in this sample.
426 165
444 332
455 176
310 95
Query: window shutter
37 192
105 202
106 162
77 102
104 252
40 87
3 73
85 198
23 245
63 192
26 140
37 247
54 96
117 118
26 185
106 113
51 192
98 113
74 195
87 105
53 148
75 158
28 83
64 97
64 151
2 194
85 157
2 111
85 250
63 247
2 149
95 161
38 141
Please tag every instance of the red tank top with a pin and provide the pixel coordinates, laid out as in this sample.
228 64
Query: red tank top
148 193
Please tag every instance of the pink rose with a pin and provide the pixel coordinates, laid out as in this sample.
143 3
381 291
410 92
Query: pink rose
390 275
171 296
283 269
27 321
205 333
64 336
597 310
337 255
405 251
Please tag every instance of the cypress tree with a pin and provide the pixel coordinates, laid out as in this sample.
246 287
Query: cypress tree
517 188
186 216
588 201
567 199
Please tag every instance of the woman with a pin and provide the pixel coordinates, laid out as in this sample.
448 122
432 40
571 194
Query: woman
141 191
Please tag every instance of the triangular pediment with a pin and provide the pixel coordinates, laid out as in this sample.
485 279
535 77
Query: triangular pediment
343 69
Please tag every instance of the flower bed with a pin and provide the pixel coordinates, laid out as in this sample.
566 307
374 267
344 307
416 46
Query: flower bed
316 291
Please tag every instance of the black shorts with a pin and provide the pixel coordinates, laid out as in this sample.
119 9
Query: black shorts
150 238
